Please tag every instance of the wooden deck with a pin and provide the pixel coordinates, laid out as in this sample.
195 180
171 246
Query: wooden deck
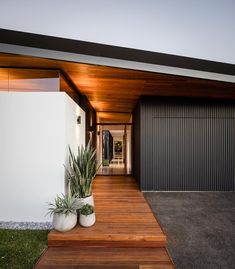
126 233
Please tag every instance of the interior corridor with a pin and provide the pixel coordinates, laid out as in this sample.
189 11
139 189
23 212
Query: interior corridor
114 144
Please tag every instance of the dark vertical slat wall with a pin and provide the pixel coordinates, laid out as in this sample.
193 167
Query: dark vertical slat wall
186 145
136 144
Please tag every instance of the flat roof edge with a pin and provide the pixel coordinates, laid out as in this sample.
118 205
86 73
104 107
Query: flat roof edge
101 50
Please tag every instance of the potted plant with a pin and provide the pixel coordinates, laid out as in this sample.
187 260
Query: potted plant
64 212
87 215
81 173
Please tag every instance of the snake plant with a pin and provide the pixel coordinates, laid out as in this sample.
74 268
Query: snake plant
82 170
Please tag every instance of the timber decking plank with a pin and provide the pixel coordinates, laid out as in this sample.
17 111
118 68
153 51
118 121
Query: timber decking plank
107 243
126 217
105 258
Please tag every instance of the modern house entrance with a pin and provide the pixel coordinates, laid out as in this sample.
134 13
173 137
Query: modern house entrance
93 93
110 95
106 86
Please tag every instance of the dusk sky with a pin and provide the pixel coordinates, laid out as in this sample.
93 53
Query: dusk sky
201 29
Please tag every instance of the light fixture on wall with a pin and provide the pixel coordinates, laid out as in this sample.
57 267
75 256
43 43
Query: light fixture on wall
79 120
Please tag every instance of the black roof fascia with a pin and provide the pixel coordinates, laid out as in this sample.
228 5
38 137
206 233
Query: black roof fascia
115 52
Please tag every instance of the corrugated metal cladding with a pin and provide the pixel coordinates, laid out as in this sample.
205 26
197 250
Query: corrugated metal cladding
187 145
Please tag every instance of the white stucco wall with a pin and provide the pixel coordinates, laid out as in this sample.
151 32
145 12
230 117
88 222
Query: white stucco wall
35 130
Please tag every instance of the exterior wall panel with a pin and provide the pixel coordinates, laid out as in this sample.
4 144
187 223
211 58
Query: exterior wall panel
136 144
36 129
187 145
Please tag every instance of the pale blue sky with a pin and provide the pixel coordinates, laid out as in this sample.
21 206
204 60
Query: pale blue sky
196 28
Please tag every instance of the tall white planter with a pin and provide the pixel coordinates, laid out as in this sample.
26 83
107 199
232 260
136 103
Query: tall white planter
87 220
83 201
64 223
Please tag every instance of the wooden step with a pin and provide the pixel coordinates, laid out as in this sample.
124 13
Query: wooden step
114 230
111 234
124 219
126 234
99 258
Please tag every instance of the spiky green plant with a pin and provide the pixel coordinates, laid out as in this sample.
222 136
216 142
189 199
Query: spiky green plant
87 209
82 170
64 204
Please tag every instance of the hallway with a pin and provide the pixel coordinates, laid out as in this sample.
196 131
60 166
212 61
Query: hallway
113 169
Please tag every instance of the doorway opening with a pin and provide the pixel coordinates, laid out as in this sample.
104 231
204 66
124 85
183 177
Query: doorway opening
114 149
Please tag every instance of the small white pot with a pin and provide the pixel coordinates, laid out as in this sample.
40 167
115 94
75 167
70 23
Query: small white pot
87 221
87 200
64 223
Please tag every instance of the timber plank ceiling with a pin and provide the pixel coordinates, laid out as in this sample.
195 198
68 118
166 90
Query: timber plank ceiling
113 89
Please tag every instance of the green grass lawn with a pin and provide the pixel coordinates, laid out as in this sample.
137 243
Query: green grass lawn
21 248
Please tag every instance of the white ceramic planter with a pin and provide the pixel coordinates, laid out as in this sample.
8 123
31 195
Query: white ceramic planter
87 221
87 200
63 223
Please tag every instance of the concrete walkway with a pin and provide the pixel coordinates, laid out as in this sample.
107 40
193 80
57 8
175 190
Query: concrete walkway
200 227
